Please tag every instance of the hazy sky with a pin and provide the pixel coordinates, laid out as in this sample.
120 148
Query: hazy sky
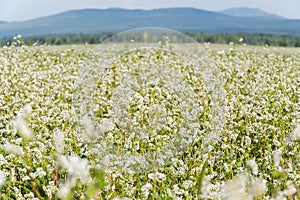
18 10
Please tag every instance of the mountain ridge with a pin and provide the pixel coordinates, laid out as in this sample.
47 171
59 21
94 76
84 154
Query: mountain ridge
119 19
249 12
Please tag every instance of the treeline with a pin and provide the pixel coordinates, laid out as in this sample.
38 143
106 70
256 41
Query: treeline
60 39
220 38
251 39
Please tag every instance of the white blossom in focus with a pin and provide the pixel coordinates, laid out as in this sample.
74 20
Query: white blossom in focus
156 176
145 189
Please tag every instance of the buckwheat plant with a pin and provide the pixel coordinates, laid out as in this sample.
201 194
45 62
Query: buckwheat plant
144 117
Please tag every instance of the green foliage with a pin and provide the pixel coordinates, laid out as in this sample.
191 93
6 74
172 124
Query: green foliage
218 38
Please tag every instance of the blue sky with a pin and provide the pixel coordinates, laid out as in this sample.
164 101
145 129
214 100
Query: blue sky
18 10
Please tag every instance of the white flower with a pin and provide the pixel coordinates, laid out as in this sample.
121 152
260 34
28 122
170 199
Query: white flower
247 140
26 111
279 196
40 172
13 149
253 166
221 52
76 166
3 160
30 195
290 190
236 189
37 152
205 190
156 176
178 191
258 187
277 157
145 189
295 135
22 128
2 178
89 127
87 123
26 178
58 138
65 188
106 125
19 141
187 184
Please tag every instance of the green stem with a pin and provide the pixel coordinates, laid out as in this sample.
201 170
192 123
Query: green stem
201 177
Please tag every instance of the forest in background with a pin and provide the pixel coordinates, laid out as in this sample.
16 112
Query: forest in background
218 38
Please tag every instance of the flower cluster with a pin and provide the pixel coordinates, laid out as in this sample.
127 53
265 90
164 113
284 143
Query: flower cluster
149 123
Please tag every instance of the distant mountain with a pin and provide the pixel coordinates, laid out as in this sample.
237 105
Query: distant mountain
180 19
249 12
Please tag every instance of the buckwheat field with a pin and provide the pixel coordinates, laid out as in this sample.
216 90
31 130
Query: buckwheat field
110 122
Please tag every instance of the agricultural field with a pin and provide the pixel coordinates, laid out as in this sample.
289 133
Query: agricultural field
175 122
